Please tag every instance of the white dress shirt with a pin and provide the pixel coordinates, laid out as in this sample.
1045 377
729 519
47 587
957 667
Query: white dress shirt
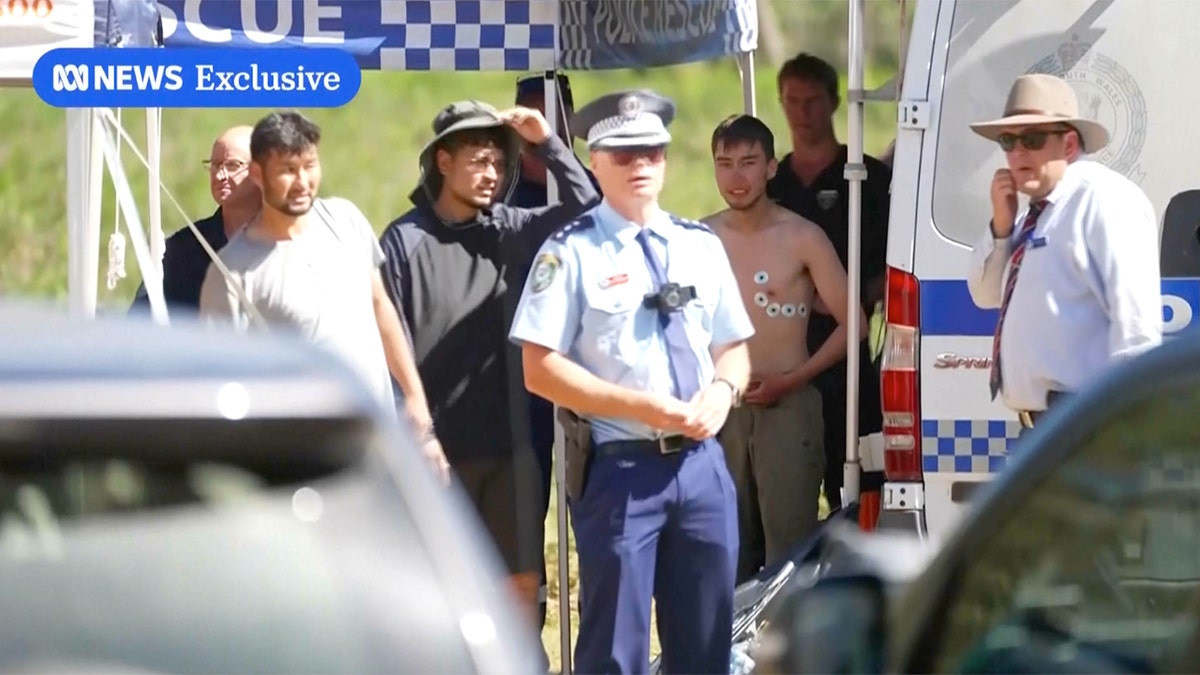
1089 290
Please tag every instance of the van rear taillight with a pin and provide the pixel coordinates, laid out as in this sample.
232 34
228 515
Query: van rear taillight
901 378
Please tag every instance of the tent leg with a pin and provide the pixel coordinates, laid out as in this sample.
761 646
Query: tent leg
745 61
84 173
154 155
555 117
158 244
855 173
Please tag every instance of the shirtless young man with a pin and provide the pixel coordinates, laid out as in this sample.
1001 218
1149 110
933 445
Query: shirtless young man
774 443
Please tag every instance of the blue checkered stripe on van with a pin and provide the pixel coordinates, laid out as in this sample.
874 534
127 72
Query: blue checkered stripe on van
1171 470
966 446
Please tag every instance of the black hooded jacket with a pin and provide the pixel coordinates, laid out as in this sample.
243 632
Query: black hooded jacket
456 285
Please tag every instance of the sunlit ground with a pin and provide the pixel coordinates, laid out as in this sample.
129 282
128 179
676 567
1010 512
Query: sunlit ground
551 636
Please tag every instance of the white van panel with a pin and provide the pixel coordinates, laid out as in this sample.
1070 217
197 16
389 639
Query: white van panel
1131 63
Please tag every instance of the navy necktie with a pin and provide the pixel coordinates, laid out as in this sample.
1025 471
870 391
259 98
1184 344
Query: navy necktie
1018 255
685 367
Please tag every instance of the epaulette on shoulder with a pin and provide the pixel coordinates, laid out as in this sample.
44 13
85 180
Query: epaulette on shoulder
581 224
692 224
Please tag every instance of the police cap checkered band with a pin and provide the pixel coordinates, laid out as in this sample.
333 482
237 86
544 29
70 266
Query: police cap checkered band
642 129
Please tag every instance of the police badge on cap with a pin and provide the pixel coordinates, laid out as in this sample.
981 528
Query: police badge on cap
630 106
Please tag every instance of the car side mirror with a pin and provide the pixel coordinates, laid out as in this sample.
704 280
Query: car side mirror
836 626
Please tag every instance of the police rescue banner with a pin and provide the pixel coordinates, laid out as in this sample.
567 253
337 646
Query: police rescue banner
610 34
30 28
391 35
513 35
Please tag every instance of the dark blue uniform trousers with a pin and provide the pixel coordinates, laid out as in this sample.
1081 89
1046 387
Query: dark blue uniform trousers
661 526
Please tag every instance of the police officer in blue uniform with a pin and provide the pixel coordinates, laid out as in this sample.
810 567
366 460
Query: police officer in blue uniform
632 323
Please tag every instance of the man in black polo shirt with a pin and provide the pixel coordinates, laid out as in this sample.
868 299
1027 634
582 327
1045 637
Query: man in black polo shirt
185 261
811 182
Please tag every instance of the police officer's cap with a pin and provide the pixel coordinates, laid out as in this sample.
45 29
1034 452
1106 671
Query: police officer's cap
624 119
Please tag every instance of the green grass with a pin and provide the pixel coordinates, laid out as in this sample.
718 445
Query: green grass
369 154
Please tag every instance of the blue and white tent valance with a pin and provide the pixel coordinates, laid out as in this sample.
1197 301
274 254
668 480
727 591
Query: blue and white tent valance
514 35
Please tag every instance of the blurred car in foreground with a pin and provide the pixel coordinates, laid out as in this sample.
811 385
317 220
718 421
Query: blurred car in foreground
1084 557
180 500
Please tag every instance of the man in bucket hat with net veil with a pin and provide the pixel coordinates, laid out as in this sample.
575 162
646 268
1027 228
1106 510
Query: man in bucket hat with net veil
1074 272
454 269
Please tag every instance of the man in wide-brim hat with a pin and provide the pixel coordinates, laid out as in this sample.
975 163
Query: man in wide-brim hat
1075 273
1042 104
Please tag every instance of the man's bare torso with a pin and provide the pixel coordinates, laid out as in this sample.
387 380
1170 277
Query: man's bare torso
776 287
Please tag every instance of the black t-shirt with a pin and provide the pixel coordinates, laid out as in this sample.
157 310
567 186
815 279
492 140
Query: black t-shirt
185 262
826 202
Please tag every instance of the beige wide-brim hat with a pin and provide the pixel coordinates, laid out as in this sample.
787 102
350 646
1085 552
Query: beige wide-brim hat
1044 99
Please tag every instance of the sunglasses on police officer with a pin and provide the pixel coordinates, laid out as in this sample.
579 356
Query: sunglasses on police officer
626 156
1030 140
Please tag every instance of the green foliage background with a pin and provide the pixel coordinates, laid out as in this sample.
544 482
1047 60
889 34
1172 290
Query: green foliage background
370 146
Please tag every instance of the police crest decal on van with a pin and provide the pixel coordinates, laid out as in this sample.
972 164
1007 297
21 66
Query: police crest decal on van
1108 94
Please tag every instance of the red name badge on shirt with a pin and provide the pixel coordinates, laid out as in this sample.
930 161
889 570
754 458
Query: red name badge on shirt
614 280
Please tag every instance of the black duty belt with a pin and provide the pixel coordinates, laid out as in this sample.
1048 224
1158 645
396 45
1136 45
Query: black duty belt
667 445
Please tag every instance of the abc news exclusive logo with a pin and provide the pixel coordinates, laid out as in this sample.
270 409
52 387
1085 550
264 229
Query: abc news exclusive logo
197 78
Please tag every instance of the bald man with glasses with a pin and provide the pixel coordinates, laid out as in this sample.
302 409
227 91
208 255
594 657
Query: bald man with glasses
185 261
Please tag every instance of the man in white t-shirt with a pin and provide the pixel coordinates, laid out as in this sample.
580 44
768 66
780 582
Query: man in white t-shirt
311 266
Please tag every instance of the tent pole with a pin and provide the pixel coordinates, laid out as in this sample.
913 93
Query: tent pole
78 142
84 182
855 173
154 171
554 117
746 71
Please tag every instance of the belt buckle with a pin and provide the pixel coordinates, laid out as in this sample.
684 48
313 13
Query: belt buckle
669 445
1025 418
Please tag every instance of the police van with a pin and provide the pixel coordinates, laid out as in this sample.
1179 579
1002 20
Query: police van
1129 61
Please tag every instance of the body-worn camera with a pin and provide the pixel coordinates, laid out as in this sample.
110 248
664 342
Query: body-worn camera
670 298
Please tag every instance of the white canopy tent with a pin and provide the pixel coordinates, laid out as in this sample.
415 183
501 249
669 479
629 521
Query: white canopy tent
29 29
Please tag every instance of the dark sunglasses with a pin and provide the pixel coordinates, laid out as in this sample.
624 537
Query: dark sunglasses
627 156
1030 140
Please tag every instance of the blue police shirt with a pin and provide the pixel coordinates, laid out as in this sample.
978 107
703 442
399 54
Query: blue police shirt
584 299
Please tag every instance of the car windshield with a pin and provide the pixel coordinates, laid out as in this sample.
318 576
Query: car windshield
192 547
1099 569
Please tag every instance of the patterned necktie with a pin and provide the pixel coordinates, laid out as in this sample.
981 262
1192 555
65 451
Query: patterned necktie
1018 255
685 367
